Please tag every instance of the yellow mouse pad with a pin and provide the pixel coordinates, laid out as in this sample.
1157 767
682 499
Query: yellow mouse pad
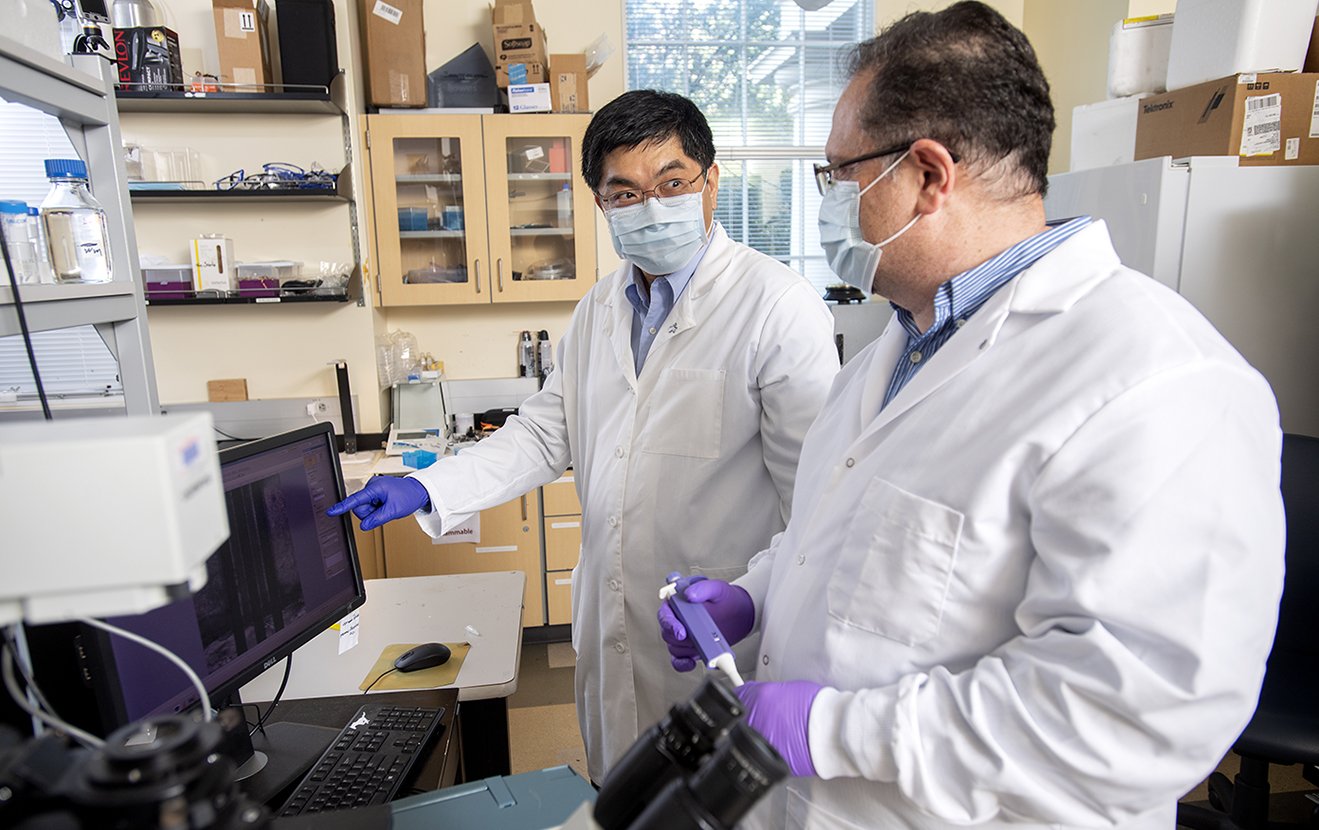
441 675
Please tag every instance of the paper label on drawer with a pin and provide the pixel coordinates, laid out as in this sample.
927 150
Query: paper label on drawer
1314 113
498 549
1261 132
347 631
387 12
468 531
567 581
557 525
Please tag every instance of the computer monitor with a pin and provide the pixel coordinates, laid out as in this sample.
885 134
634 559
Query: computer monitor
286 573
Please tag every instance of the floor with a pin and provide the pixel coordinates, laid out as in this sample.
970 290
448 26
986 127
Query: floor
542 724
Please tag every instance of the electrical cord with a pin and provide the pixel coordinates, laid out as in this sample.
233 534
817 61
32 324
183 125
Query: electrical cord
378 679
169 655
51 720
261 721
22 324
28 680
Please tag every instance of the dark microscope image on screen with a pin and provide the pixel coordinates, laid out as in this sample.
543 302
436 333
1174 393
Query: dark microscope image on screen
247 599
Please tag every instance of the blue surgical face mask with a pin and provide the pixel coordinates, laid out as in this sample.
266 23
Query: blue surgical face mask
850 256
659 236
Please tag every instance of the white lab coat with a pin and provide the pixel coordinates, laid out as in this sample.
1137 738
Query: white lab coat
688 468
1042 583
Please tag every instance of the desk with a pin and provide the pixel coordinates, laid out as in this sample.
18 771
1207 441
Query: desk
424 609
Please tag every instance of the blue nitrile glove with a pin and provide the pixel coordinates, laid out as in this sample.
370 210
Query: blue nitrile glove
781 712
729 605
383 499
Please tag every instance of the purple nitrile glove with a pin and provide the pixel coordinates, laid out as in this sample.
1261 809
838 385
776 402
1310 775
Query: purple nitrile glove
781 712
383 499
729 606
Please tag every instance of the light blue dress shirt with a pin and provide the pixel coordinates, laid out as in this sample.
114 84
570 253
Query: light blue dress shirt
650 310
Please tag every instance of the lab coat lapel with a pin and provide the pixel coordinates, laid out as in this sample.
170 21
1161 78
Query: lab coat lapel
683 316
618 323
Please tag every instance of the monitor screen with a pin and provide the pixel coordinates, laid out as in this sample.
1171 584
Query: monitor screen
286 573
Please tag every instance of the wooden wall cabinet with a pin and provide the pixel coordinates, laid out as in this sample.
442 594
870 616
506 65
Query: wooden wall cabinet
563 545
476 209
510 541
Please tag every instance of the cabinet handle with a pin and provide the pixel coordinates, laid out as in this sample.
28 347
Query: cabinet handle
478 276
524 507
499 265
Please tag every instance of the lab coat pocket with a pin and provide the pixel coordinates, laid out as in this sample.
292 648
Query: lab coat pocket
896 564
686 413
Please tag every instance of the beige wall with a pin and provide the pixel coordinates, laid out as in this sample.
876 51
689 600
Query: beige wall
283 351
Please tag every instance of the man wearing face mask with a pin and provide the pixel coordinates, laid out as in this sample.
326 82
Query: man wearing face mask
681 392
1036 545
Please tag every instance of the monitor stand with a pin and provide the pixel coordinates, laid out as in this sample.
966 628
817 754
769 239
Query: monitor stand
290 750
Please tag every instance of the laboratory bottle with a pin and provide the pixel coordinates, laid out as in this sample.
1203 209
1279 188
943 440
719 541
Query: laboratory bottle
544 354
526 356
45 275
565 207
18 239
75 225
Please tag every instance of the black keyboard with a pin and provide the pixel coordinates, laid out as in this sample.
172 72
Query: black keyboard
368 762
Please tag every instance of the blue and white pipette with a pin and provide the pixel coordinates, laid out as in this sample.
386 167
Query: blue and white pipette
701 629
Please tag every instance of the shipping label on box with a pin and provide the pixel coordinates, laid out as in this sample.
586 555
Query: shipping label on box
243 43
213 263
394 52
1264 119
148 58
568 83
529 98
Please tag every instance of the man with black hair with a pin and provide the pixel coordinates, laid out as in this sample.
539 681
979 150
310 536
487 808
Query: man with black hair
1036 545
680 395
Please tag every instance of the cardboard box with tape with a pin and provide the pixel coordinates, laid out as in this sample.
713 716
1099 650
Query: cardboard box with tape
394 53
243 43
568 83
1265 119
518 38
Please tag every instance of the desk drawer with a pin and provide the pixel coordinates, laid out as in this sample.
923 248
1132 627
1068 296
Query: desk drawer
563 542
558 590
561 497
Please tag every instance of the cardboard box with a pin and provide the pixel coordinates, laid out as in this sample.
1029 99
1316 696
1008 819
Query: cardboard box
518 38
568 83
532 73
529 98
1266 119
148 59
394 53
231 389
213 263
244 45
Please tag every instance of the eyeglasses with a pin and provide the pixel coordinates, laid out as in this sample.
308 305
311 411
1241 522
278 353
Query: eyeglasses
672 187
824 176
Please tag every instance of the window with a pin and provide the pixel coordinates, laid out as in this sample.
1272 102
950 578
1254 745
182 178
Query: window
73 362
766 74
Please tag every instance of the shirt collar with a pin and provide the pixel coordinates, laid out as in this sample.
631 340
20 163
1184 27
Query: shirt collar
677 281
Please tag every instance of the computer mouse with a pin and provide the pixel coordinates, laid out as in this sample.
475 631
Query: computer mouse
423 656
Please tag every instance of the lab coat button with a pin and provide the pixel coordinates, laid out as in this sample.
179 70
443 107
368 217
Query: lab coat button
915 357
764 658
851 462
801 559
613 584
619 647
613 521
618 452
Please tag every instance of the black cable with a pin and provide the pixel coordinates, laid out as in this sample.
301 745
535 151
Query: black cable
261 722
377 680
22 323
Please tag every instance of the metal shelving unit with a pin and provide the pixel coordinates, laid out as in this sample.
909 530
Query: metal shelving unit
82 97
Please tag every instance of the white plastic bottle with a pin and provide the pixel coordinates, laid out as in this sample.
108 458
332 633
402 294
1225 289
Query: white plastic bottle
75 225
565 207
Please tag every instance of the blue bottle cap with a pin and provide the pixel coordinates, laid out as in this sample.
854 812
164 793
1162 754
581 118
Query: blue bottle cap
19 208
66 169
32 211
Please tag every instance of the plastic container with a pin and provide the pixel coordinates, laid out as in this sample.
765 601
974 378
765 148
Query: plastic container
168 282
564 198
74 224
38 236
1213 39
18 239
412 219
1138 55
262 279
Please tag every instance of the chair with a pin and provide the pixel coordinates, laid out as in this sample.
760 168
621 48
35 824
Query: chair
1285 727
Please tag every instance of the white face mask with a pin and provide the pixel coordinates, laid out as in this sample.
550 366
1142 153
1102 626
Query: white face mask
659 235
850 256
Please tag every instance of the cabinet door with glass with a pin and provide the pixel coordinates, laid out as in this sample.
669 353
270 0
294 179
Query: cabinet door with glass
429 189
541 215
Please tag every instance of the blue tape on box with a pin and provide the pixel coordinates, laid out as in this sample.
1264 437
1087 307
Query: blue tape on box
517 73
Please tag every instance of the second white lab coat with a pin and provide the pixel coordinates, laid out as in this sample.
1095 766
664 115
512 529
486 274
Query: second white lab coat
688 468
1040 585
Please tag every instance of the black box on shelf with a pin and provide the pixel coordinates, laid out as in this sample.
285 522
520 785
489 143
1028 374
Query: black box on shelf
308 51
148 59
